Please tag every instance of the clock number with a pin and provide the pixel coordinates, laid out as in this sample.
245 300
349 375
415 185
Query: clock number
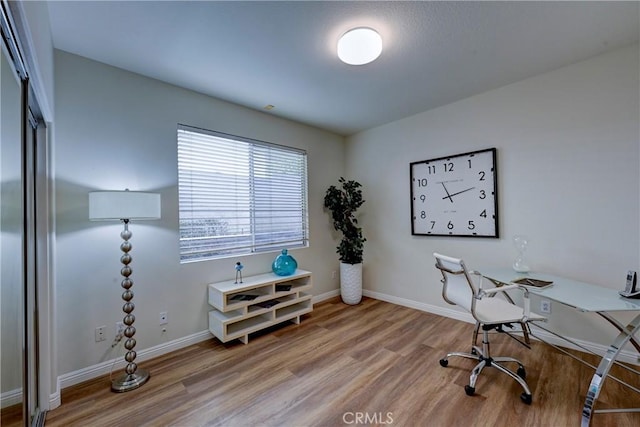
422 182
423 198
481 173
448 167
450 225
469 160
483 195
431 169
483 214
423 215
471 225
433 224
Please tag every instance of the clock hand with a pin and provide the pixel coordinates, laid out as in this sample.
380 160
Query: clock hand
448 195
454 194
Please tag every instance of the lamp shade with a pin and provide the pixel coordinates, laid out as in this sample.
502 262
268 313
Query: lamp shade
117 205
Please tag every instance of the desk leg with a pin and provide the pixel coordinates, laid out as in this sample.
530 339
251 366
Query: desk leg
620 327
626 334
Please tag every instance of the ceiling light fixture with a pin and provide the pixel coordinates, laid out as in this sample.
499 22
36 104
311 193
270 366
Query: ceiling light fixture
359 46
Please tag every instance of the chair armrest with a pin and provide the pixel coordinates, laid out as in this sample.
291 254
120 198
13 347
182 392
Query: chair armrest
527 301
501 289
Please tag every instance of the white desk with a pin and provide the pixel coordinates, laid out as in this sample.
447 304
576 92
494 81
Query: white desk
587 298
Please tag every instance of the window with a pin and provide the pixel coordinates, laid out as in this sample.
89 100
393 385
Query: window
239 196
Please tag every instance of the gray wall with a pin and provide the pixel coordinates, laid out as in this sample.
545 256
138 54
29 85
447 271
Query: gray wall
117 130
568 171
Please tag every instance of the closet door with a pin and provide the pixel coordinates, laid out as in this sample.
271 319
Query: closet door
12 262
24 245
25 225
29 253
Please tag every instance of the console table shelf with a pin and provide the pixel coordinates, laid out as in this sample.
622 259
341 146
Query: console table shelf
257 303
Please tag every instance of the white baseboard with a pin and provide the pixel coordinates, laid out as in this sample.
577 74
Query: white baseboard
103 368
434 309
624 356
10 398
327 295
14 397
55 399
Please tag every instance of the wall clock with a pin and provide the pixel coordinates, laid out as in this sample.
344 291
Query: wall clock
455 195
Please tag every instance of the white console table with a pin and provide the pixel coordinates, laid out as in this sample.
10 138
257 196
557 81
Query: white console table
257 303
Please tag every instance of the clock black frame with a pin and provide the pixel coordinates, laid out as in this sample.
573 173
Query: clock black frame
495 194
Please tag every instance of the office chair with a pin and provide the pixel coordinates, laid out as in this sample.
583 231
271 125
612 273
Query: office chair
459 288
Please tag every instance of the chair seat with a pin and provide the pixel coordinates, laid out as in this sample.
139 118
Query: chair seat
496 310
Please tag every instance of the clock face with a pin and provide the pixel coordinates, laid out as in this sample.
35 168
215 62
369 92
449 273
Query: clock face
455 195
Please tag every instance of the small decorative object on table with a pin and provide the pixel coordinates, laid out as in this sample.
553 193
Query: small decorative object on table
239 268
284 264
520 243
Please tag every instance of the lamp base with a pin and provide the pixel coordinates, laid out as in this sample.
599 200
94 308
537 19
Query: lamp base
127 382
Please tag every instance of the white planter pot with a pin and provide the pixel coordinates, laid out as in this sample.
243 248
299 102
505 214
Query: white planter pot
351 283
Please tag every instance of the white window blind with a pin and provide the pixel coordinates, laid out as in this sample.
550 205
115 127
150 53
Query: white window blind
239 196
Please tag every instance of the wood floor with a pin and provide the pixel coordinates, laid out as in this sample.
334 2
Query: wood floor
376 361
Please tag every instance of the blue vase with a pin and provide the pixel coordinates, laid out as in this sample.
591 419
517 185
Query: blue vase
284 264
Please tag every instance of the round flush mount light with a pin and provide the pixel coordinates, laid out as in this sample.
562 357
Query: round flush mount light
359 46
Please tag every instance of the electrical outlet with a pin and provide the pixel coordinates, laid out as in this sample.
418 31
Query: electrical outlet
545 306
100 333
164 319
333 274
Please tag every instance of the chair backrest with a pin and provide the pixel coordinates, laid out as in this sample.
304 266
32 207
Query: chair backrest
458 287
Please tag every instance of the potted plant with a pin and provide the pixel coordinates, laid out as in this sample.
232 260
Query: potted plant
343 203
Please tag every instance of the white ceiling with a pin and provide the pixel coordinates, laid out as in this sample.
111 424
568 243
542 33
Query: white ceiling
283 53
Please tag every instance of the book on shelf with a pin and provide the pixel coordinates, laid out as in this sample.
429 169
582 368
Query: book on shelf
269 303
243 297
533 283
282 288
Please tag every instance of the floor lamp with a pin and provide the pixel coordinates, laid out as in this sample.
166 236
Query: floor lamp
126 206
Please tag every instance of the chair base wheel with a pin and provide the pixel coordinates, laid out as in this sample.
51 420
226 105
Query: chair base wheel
469 390
444 363
526 398
522 373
